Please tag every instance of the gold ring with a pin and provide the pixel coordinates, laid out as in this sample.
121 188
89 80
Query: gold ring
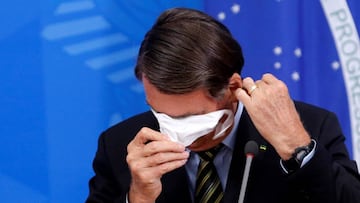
252 89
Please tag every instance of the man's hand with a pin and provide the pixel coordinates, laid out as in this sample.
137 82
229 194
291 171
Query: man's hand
273 113
151 155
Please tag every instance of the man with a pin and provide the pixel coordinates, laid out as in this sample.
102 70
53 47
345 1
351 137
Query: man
190 67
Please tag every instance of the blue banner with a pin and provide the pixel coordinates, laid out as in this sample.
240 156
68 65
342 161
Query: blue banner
66 74
294 41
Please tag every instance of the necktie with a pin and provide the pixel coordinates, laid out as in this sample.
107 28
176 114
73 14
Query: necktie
208 186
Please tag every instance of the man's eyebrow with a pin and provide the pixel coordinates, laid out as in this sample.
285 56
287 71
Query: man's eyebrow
180 116
174 117
177 116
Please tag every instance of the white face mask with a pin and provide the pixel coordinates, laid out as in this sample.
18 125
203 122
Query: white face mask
186 130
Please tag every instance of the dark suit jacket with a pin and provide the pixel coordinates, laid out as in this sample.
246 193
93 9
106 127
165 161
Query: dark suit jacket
328 177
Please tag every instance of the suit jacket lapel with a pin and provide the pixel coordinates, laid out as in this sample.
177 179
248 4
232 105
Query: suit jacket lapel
246 131
175 187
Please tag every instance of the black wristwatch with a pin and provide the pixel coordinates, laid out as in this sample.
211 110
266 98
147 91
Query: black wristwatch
297 157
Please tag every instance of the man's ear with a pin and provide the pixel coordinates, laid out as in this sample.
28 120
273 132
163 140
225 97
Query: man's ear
235 83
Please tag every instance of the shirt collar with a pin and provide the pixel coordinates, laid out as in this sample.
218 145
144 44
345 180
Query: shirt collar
229 141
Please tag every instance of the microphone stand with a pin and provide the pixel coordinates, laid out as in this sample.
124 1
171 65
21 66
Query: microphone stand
251 149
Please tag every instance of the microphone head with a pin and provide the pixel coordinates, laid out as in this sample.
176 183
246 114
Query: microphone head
251 147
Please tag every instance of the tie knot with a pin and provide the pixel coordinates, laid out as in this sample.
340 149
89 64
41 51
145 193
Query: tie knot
210 154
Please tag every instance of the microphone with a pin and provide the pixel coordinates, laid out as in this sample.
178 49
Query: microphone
251 150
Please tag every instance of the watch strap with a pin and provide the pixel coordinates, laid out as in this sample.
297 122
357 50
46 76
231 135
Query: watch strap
295 162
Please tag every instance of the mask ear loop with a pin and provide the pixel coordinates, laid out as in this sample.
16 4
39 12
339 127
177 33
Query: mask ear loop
222 127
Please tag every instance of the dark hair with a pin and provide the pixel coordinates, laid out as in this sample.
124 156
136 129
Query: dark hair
186 50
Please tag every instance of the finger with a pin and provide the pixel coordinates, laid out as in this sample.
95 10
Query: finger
156 161
269 78
248 83
170 166
161 158
146 135
259 83
162 146
160 170
243 96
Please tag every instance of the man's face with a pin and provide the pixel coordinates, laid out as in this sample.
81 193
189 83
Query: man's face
197 102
